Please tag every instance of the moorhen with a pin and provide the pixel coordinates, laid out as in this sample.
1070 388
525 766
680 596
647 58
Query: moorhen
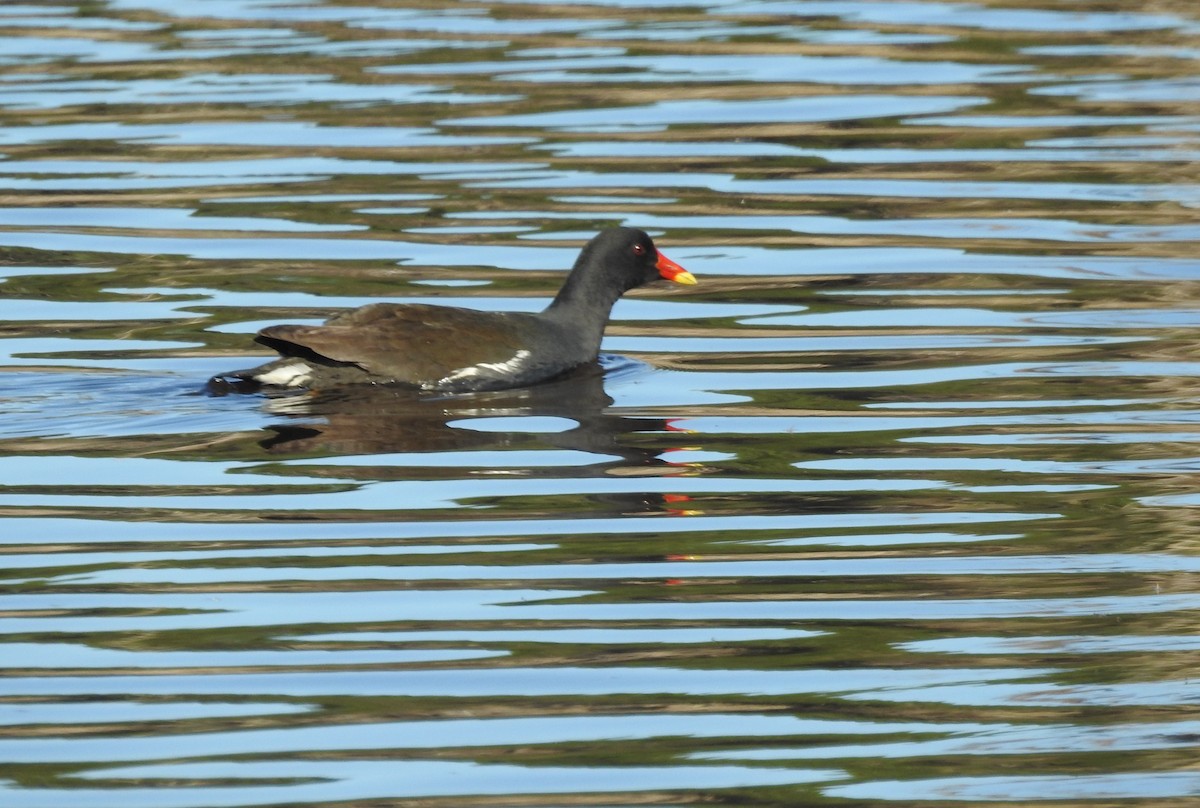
455 350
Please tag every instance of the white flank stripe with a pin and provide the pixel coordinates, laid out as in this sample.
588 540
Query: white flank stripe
491 369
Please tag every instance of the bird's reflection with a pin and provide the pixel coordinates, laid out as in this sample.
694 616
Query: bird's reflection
367 420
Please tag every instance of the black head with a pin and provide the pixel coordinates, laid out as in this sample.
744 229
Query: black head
626 257
611 264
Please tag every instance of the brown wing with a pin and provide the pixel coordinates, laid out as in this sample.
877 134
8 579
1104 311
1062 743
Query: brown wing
412 343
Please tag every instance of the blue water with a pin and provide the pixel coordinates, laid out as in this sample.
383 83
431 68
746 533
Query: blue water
897 506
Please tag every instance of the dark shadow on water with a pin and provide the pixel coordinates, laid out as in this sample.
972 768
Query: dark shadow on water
571 412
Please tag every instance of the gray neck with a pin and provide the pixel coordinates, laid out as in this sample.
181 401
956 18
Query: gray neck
583 305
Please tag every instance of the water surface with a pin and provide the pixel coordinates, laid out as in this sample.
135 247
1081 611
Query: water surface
897 506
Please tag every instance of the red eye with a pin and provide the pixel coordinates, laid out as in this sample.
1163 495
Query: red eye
638 249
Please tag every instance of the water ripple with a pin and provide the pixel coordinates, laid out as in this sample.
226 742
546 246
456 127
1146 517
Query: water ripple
895 505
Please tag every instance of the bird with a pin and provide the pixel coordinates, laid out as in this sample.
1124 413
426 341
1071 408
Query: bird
448 349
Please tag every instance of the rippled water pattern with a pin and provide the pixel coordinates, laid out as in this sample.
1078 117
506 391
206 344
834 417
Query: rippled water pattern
898 506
